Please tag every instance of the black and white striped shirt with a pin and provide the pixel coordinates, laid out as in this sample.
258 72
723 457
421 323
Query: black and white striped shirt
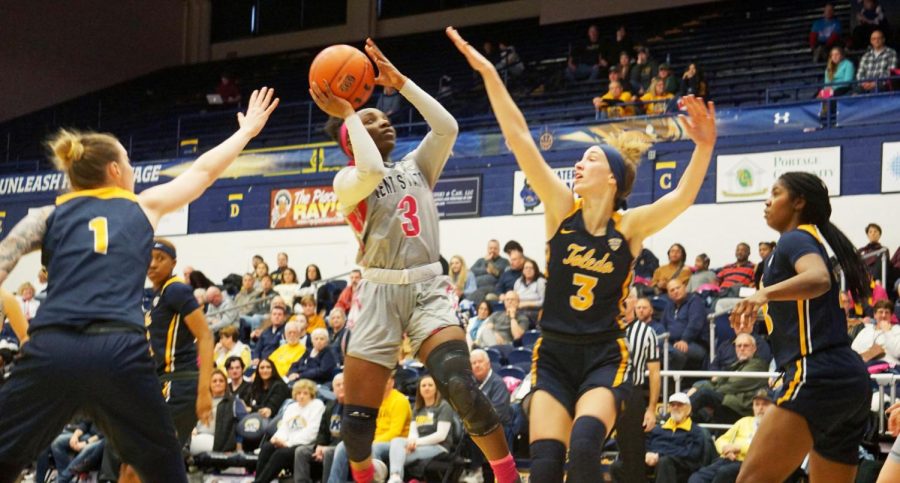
643 349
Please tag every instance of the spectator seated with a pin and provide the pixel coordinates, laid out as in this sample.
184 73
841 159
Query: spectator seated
726 399
318 363
732 446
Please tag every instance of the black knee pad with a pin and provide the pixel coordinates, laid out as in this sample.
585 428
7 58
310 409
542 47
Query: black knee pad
585 449
451 369
358 431
548 460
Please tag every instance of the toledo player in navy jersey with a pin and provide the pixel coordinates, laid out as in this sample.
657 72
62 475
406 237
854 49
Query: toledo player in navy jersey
391 209
179 338
580 362
823 403
88 350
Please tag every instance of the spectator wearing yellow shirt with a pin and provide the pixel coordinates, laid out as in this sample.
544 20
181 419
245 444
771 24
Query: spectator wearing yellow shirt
294 345
656 102
394 416
734 444
314 320
613 104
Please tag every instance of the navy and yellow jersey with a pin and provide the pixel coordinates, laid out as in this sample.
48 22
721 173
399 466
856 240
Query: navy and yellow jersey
798 328
172 342
96 250
588 278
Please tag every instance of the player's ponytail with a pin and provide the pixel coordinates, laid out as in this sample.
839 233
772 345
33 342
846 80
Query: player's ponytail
83 156
817 211
631 145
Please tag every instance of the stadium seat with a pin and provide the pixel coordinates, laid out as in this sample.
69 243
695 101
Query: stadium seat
529 338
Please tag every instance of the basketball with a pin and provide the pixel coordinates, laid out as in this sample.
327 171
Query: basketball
347 70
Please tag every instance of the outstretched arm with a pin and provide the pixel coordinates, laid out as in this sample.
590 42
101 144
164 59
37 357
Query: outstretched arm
188 186
556 196
25 237
641 222
432 153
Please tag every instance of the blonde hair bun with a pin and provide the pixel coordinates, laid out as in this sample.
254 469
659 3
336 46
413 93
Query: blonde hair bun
67 149
631 145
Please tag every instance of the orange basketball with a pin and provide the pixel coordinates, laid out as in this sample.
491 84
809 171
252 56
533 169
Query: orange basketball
347 70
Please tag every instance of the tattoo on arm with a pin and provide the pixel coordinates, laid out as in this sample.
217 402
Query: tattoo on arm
24 238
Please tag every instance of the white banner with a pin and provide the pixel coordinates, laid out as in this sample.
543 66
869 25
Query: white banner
746 177
525 200
890 167
174 223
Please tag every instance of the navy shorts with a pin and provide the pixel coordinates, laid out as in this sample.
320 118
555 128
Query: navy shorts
566 368
110 378
181 399
830 389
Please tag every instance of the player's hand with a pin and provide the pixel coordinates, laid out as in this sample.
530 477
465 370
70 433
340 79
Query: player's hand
894 419
204 407
475 59
410 445
259 108
278 443
743 316
700 123
388 75
651 459
319 454
265 412
330 103
649 420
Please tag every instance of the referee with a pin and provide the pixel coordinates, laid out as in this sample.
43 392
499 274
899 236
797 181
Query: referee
638 418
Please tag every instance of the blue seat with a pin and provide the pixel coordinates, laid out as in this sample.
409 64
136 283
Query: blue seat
529 338
504 350
512 371
519 356
494 355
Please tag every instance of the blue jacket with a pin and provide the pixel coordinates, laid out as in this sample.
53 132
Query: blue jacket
687 322
268 342
319 369
684 440
507 281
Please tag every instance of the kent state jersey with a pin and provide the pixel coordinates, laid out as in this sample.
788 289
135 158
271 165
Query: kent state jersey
588 278
798 328
96 250
397 225
173 343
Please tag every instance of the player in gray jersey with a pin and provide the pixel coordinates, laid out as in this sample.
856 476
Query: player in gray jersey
390 207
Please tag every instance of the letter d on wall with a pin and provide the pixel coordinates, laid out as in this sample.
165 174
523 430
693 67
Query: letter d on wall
234 204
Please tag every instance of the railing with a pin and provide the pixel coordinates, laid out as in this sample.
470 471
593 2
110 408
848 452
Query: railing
884 261
881 380
638 106
880 86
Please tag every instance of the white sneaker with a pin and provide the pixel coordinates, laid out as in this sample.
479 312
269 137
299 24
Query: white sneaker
395 478
381 471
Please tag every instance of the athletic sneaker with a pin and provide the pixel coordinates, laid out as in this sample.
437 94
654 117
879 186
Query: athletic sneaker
381 471
395 478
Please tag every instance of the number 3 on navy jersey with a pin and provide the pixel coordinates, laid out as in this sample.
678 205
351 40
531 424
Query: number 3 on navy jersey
584 298
98 225
408 211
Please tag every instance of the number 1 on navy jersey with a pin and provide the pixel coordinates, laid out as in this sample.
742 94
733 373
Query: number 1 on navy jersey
98 225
